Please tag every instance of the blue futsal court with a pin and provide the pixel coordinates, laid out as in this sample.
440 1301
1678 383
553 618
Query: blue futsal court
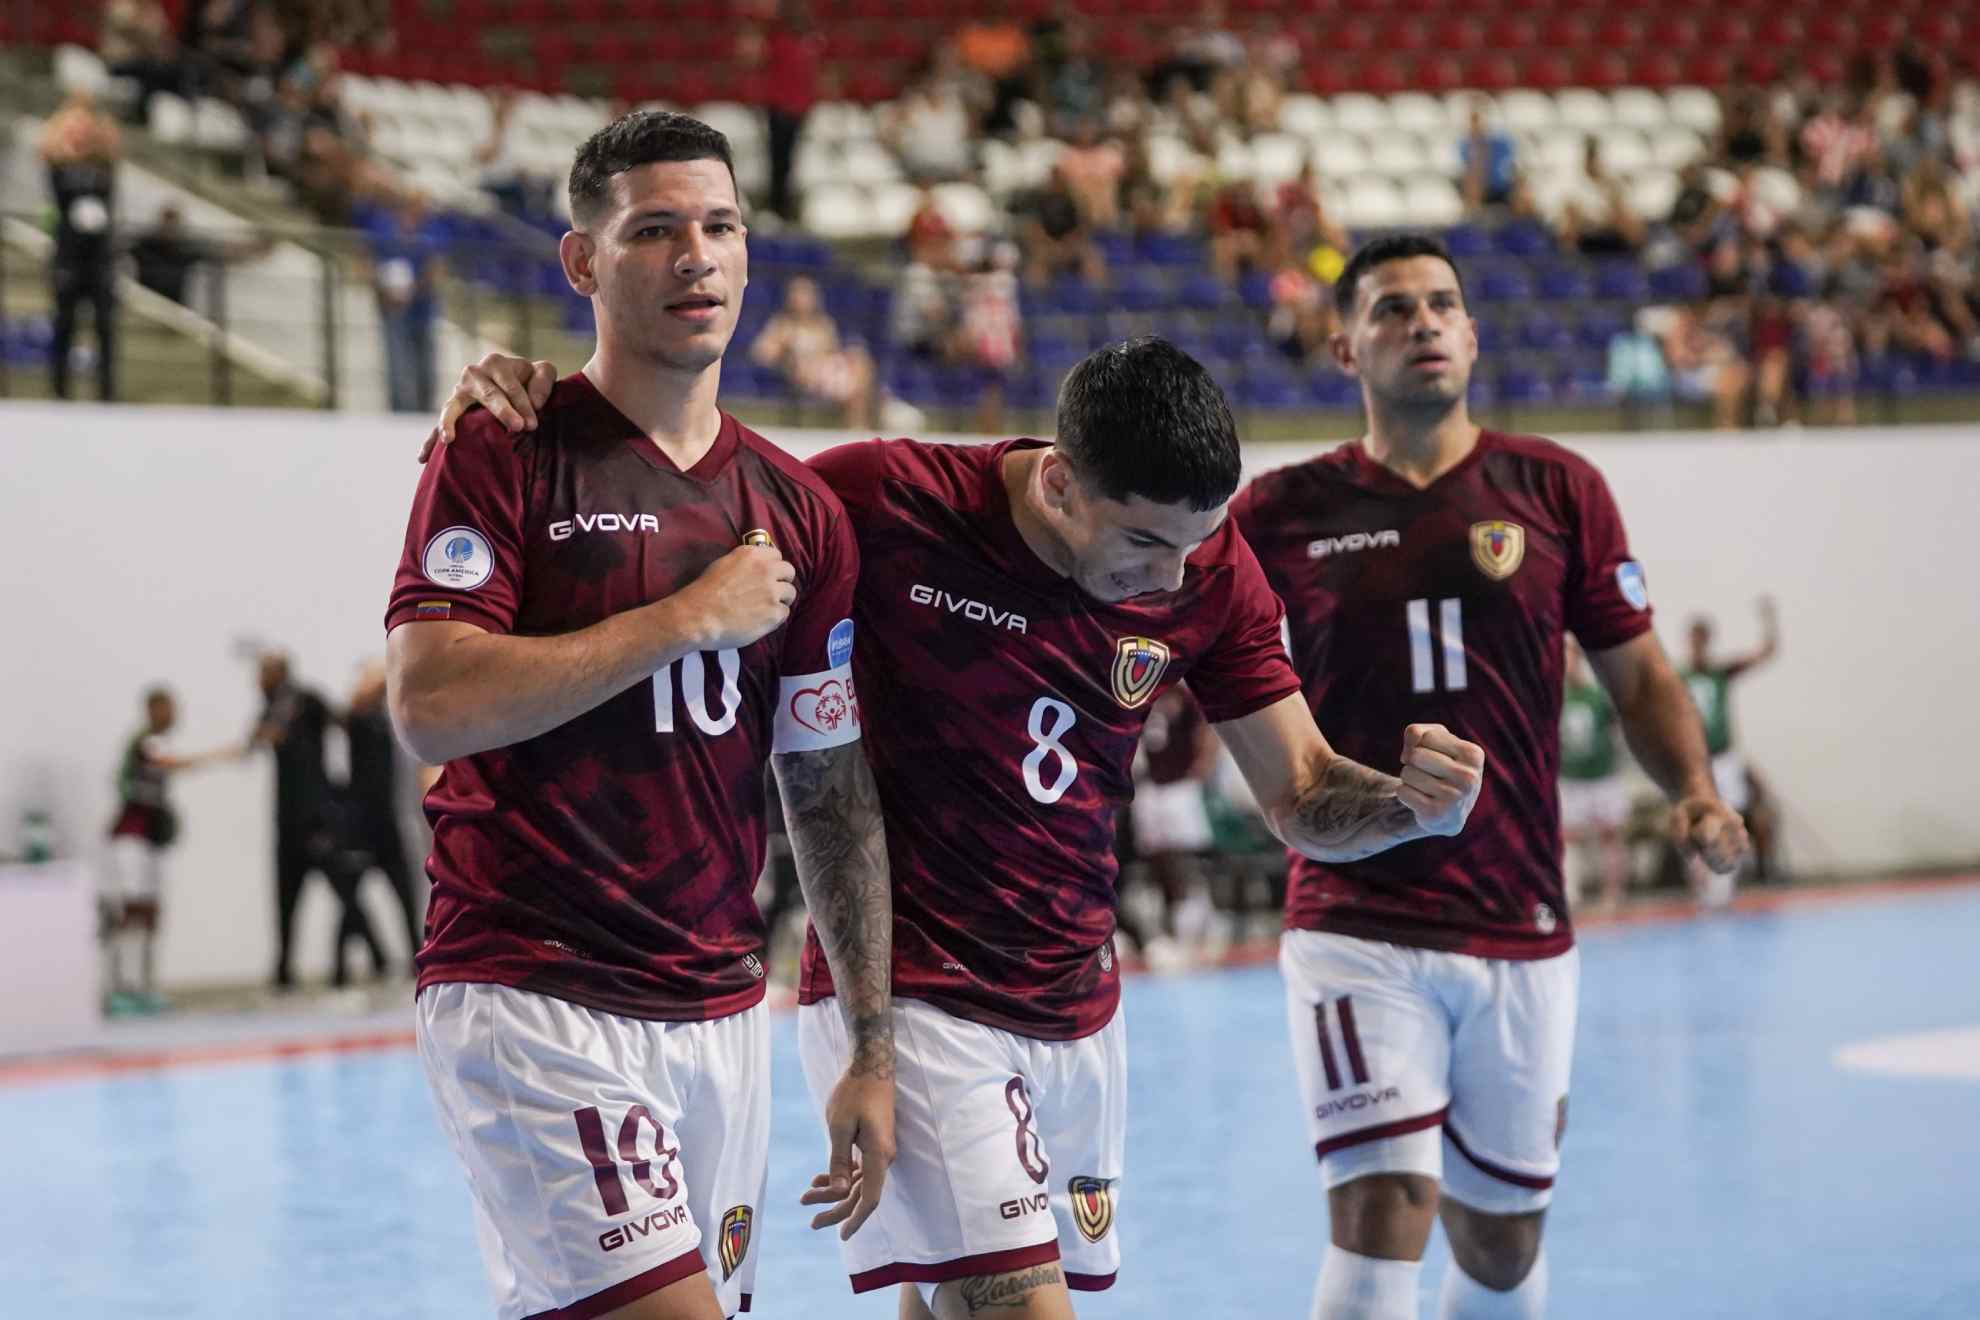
1753 1134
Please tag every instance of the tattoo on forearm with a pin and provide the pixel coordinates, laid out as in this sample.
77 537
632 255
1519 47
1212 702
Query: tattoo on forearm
1005 1292
1350 812
832 811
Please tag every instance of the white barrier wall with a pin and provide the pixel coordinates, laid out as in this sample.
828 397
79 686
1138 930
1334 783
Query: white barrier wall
156 545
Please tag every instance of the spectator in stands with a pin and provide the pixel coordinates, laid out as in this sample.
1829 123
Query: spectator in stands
1072 81
997 50
791 54
1055 237
801 341
1749 133
80 145
990 332
407 250
1303 234
138 43
1092 169
1240 231
1829 364
1600 219
1697 213
1202 52
930 126
1271 57
923 313
168 253
1489 161
1302 319
218 39
1705 365
505 171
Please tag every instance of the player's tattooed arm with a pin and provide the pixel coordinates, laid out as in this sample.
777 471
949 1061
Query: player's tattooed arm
1334 809
832 811
1664 733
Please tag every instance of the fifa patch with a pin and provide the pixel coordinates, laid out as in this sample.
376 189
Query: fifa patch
735 1238
1497 548
1092 1206
433 609
458 558
757 536
1629 581
1138 666
839 644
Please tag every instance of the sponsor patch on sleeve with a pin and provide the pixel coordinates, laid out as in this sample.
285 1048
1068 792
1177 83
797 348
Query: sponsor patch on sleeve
1629 580
816 711
839 644
458 558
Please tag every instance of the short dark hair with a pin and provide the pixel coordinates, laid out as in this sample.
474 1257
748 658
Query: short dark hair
1380 251
640 138
1144 418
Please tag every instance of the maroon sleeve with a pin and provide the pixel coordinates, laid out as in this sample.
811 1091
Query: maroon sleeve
818 636
1608 602
853 472
464 541
1246 668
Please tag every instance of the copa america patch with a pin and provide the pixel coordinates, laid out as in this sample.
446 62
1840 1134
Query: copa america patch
458 558
1629 580
839 644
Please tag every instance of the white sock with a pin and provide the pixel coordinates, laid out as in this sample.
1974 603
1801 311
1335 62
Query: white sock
1353 1287
1464 1298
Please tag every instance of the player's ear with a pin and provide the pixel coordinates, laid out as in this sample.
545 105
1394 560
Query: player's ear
1056 475
576 250
1343 350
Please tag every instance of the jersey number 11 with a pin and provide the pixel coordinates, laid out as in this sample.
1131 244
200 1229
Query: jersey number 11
1423 652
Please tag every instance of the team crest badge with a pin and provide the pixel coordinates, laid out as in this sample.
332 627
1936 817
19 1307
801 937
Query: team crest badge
1497 548
1092 1206
1138 666
735 1238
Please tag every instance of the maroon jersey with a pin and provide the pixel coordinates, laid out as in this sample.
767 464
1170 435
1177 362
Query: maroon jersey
1005 705
611 861
1447 606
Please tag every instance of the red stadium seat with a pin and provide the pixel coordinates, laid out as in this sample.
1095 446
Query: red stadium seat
1939 30
1601 68
1881 31
1440 71
1456 34
1356 34
1512 32
1408 34
1491 71
1545 70
1832 31
1568 32
1673 32
1618 32
1726 31
1708 66
1655 67
1780 31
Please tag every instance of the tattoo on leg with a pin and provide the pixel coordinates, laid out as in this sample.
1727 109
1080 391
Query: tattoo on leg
1006 1292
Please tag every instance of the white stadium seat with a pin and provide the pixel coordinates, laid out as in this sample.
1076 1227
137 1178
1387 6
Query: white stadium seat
171 119
1525 111
816 162
217 126
1234 161
1638 107
1419 112
1653 193
1432 201
1582 108
1359 112
1674 146
1397 152
1623 152
1337 153
739 123
1694 107
1304 116
1556 150
836 210
967 208
77 68
1277 157
867 162
892 206
1372 202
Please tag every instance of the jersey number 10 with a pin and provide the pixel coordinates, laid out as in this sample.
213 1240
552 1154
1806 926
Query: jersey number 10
694 691
1423 652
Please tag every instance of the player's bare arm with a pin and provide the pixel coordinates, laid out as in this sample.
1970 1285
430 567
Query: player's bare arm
1770 641
832 811
1663 731
455 689
1333 809
511 388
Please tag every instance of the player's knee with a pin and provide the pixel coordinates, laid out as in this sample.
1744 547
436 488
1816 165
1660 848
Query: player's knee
1386 1215
1496 1250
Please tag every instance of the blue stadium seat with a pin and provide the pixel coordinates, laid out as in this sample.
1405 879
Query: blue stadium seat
1559 281
1492 336
1116 249
1268 386
1328 388
1504 284
1467 242
1521 387
1136 290
1172 249
1524 238
1542 332
1202 291
1621 281
1255 290
1597 327
1684 282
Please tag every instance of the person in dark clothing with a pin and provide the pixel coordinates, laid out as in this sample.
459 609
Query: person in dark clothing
81 145
310 815
790 89
373 803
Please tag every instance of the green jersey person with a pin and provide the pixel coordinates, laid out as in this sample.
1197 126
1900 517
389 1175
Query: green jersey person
1594 800
1710 677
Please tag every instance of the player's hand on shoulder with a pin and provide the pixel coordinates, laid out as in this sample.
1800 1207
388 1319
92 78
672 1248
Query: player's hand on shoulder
511 388
1708 829
740 597
1441 777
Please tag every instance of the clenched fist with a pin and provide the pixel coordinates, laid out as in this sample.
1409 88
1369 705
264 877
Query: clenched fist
1710 830
738 598
1441 777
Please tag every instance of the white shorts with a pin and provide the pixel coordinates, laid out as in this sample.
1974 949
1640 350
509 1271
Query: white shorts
1007 1149
608 1156
1170 818
1729 776
1393 1044
1594 804
134 870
